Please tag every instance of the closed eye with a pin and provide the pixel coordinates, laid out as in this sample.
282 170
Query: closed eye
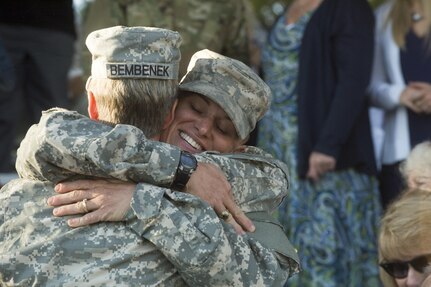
196 109
222 130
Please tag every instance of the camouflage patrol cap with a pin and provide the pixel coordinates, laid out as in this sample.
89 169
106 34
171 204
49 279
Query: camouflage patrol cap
234 86
134 52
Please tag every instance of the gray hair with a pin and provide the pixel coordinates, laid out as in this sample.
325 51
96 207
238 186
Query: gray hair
416 169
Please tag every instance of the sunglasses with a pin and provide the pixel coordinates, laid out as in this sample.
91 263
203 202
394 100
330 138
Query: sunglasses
400 269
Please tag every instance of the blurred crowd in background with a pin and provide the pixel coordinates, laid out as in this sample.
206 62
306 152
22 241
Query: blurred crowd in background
346 111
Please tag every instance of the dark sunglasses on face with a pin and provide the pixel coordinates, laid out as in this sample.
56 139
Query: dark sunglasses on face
400 269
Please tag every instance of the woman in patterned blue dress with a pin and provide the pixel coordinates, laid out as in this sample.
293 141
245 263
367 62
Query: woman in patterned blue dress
333 221
278 130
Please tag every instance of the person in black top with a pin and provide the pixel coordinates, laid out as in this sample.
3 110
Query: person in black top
39 37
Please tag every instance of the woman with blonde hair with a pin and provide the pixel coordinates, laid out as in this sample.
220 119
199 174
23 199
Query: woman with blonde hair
404 240
401 84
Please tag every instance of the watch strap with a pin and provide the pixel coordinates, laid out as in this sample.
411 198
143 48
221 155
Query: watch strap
186 166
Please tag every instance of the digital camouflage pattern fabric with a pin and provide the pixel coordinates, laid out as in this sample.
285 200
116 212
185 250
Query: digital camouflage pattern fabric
218 25
134 52
169 238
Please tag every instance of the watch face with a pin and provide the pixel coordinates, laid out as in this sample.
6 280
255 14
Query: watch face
188 161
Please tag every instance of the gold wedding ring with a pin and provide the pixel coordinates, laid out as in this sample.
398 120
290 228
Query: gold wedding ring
225 215
82 206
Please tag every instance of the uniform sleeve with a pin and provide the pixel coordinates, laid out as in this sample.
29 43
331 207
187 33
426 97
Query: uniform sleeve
191 235
65 145
259 182
204 250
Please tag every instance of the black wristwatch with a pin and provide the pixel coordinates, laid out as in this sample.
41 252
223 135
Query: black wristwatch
186 167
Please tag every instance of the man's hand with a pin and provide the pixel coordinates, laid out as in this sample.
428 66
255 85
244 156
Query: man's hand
104 200
319 164
209 183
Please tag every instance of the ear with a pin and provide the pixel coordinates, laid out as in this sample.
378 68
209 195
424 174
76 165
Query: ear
92 106
170 117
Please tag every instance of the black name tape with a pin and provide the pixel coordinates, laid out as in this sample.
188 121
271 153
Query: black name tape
131 70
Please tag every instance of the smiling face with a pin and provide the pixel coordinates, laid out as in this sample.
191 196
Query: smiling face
199 125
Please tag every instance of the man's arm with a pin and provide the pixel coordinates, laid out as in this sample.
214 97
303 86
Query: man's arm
206 251
193 238
259 183
65 145
172 220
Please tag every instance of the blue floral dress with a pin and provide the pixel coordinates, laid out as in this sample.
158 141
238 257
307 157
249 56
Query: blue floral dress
278 130
332 223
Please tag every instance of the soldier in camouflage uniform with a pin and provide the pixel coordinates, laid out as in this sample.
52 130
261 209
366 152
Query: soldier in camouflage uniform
168 238
218 25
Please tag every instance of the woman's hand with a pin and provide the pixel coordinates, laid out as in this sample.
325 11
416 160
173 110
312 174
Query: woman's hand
410 98
108 200
319 164
209 184
98 200
423 104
